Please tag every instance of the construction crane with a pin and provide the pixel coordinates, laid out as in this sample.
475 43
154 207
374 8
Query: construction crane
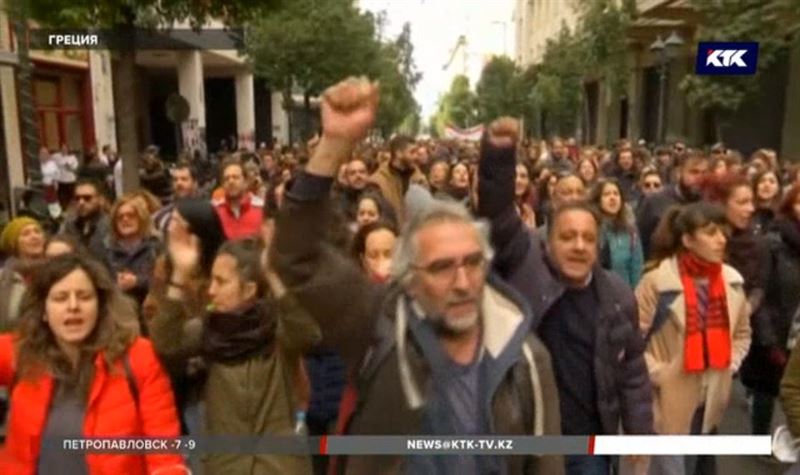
460 46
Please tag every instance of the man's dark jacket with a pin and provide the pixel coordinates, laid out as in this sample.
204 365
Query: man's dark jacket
624 391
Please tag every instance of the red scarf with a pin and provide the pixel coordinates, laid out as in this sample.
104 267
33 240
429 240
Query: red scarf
713 338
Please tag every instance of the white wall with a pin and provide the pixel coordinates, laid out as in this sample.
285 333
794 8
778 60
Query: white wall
105 132
280 120
245 110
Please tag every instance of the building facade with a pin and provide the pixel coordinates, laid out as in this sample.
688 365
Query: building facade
72 93
635 113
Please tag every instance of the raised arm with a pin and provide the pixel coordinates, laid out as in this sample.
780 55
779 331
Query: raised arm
175 336
496 174
328 284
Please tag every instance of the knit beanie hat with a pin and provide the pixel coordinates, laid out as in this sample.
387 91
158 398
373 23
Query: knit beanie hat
205 224
11 232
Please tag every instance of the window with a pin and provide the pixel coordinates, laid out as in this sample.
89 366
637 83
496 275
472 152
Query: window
58 99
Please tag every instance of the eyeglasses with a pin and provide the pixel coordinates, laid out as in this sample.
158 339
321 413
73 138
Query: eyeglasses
446 269
84 197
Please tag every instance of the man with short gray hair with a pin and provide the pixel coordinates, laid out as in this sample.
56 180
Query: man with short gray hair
445 348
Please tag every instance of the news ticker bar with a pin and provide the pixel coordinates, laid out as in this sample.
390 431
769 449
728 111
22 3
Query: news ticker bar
140 39
423 445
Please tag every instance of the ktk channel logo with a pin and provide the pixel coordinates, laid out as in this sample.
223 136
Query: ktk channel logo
726 58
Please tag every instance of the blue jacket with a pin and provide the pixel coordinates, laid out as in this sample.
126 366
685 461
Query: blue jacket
624 252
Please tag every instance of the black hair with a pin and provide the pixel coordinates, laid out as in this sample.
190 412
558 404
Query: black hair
203 222
359 243
98 186
680 220
622 220
183 165
399 143
247 254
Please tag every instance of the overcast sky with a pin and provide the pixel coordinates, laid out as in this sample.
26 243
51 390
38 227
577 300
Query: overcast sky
435 28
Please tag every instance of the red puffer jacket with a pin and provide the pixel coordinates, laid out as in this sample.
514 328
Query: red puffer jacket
110 412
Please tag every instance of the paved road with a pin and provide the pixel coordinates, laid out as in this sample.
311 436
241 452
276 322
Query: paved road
737 421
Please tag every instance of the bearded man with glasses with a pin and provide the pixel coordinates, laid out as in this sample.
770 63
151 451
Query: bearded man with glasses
445 348
88 221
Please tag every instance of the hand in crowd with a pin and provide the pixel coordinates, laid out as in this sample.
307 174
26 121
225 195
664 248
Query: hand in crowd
184 252
504 132
349 109
126 280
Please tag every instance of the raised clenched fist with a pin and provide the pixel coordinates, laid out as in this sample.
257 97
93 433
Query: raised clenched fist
349 108
504 132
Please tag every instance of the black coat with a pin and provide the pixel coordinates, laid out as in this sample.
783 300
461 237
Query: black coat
624 391
771 323
651 209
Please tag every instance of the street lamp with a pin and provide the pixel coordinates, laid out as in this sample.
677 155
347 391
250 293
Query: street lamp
665 52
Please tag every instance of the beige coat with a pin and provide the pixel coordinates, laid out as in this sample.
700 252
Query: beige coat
393 188
677 394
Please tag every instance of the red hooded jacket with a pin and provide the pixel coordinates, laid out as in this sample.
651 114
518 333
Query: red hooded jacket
110 412
247 223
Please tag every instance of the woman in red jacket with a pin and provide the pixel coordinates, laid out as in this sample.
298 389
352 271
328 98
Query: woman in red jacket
76 367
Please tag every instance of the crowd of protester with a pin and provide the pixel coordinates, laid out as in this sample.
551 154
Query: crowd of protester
431 287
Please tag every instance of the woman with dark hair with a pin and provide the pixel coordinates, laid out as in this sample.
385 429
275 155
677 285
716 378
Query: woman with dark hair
523 195
371 208
783 294
373 248
626 172
77 368
749 253
620 246
437 176
588 171
458 183
768 194
545 187
251 338
694 314
197 217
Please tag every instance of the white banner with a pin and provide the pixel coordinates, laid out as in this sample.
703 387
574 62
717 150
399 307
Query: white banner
454 133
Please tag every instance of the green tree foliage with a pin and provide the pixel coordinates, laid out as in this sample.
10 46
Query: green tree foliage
398 75
559 82
498 90
458 107
312 44
768 22
602 33
123 16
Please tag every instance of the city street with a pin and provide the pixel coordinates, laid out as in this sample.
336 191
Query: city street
737 422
